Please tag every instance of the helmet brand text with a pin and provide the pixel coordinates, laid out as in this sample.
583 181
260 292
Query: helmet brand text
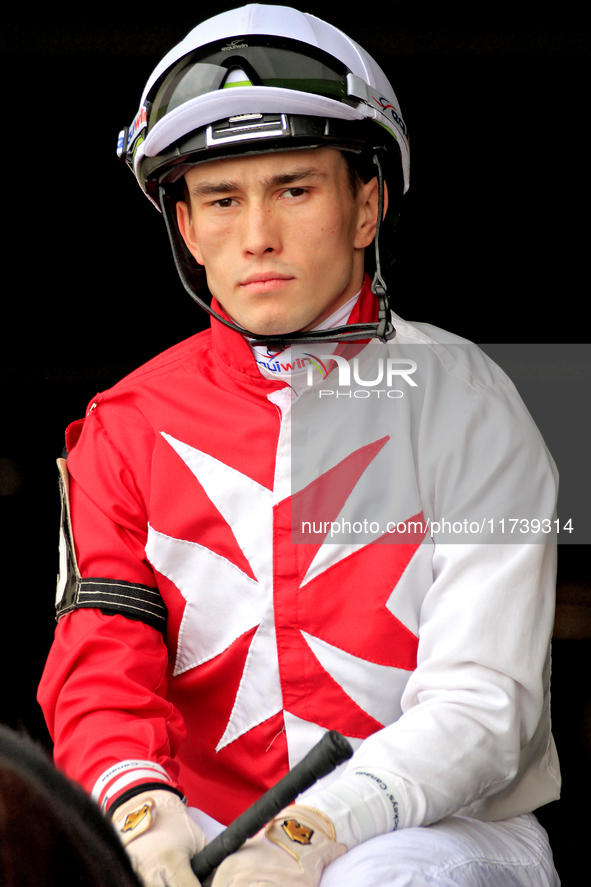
235 44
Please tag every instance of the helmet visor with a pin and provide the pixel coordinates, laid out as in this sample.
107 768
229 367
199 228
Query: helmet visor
249 61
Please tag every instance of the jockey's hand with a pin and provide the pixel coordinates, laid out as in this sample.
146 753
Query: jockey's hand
292 851
160 837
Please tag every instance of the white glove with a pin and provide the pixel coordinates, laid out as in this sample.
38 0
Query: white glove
160 837
292 851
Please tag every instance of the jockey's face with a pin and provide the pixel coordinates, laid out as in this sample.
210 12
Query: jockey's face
281 236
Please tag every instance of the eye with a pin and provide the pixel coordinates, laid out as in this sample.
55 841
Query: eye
294 193
224 202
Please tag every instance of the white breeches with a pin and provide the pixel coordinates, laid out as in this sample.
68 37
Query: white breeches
455 852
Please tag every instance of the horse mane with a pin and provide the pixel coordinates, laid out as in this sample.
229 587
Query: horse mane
51 832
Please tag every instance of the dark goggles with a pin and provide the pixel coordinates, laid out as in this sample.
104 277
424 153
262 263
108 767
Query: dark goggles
266 61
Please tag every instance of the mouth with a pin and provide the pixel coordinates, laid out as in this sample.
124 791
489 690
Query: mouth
265 281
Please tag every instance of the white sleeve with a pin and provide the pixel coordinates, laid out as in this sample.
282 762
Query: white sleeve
474 735
472 709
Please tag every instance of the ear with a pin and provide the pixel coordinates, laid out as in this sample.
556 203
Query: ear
368 202
187 230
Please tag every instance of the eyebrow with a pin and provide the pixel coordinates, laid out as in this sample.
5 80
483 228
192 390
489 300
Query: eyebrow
206 189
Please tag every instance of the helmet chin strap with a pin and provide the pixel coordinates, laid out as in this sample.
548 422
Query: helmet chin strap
383 330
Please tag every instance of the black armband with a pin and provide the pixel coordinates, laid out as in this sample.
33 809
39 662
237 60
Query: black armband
110 596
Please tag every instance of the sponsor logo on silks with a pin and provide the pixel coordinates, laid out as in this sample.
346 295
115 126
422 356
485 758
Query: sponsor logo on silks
297 832
316 362
300 363
385 105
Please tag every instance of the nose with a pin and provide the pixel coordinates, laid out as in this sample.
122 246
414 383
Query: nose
261 232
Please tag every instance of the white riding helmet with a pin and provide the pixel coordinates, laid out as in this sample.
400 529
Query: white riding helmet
259 79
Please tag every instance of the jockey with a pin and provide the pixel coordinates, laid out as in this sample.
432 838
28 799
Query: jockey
290 523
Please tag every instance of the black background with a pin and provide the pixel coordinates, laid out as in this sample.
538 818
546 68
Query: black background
493 246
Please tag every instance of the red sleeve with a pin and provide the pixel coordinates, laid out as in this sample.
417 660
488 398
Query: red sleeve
103 695
103 691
